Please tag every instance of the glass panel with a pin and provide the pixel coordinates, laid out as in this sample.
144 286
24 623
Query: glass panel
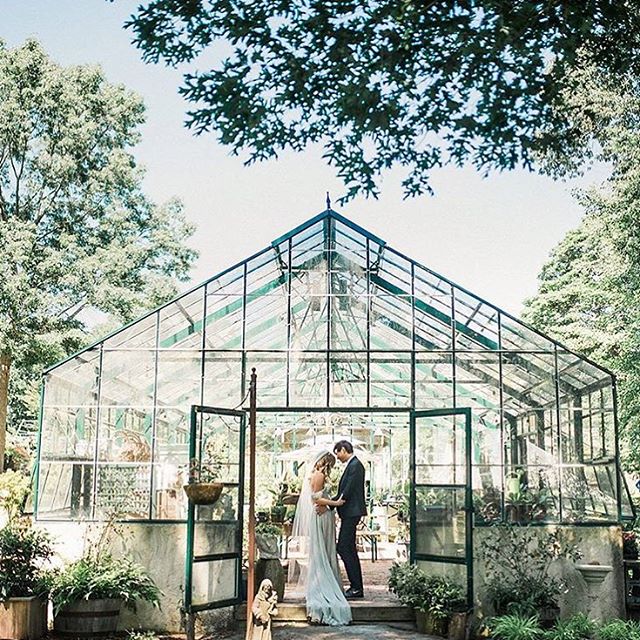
139 335
127 378
348 314
487 493
223 325
440 450
476 323
309 309
219 442
348 375
531 494
222 379
179 379
390 379
214 581
433 380
440 522
70 409
65 490
456 572
478 381
123 491
518 337
214 537
308 379
169 499
181 322
272 377
125 434
433 299
391 322
589 493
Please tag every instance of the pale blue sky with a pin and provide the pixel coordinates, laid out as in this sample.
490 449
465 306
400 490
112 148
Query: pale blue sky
489 235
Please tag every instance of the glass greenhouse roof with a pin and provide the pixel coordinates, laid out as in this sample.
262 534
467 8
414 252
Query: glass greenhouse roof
336 322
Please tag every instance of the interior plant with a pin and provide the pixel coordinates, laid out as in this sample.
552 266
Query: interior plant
24 553
518 561
516 627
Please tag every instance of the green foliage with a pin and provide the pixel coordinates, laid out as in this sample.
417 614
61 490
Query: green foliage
516 627
76 230
619 630
436 595
517 561
578 627
14 489
268 529
417 84
94 577
23 552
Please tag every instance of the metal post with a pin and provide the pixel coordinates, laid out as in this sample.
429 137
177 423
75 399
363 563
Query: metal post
252 499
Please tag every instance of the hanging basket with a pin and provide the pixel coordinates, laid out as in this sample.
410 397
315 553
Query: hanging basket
203 492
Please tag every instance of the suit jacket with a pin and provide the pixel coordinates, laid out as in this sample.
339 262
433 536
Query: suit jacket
351 488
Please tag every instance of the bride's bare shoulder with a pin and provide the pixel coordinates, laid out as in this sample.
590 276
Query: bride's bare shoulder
317 480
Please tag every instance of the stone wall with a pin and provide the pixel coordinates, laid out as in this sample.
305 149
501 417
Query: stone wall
160 548
602 545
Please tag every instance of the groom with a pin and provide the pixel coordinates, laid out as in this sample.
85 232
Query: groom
351 489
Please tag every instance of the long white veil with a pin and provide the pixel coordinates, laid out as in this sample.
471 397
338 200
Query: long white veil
305 510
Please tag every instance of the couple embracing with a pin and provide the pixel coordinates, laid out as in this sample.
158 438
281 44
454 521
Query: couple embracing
315 523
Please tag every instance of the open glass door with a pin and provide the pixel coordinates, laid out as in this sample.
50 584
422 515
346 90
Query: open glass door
441 494
213 568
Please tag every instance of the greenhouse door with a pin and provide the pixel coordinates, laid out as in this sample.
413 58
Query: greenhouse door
441 505
213 568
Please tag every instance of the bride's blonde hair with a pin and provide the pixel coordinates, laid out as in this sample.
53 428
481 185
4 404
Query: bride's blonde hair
326 463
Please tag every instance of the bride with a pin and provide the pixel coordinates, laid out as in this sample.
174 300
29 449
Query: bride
325 599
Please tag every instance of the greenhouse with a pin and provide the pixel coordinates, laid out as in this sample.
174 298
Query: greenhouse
463 415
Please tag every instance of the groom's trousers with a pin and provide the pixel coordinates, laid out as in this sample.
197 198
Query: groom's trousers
347 550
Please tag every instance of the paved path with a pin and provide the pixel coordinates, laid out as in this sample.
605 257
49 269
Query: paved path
379 631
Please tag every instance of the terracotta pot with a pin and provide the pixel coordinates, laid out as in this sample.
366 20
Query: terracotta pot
203 492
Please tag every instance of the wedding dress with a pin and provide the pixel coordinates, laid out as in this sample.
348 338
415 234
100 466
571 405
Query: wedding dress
319 575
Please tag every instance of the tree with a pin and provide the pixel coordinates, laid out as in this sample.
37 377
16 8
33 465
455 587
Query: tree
589 290
413 83
76 230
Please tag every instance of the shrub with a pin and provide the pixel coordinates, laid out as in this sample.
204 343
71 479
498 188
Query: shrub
93 578
619 630
516 627
23 552
579 627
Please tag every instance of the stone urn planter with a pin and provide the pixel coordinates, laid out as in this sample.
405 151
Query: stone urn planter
88 618
23 618
594 574
427 623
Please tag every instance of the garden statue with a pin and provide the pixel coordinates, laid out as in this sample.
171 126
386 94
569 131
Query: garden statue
264 607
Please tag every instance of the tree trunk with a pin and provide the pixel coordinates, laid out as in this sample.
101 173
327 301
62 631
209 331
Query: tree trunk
5 365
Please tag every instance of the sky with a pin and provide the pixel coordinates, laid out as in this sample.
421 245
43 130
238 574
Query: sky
490 235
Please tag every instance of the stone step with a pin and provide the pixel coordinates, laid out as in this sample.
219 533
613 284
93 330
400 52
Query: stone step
363 612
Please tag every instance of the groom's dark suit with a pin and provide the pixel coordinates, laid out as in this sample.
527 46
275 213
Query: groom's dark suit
351 488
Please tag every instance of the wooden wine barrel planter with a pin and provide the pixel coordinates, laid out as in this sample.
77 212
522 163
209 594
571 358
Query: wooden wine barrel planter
88 618
23 618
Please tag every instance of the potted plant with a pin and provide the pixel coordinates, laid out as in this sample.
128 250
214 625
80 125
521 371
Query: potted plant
24 551
203 487
87 594
435 599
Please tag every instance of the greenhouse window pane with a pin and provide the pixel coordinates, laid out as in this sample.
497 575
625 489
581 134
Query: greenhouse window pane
531 493
138 335
478 381
272 377
475 323
308 379
433 313
169 499
517 337
266 320
586 495
434 380
125 433
390 379
181 322
223 325
179 378
222 378
348 376
123 490
128 378
348 322
486 438
65 490
391 322
487 493
440 522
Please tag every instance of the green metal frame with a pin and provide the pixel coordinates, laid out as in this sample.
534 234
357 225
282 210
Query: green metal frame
467 487
190 557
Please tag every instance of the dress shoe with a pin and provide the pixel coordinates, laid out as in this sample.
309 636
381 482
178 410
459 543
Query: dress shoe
352 594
